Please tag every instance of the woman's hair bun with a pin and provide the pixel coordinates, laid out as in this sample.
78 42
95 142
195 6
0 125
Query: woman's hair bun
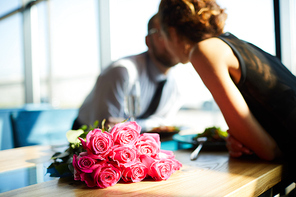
194 19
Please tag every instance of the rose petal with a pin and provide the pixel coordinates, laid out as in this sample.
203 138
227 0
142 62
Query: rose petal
148 144
166 154
123 155
135 173
99 143
159 169
126 133
106 175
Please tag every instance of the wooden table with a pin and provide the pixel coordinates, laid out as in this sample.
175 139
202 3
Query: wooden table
212 174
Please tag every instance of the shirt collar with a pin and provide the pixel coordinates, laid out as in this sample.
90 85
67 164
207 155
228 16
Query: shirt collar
154 73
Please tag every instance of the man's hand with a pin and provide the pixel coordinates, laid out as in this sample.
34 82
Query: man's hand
111 121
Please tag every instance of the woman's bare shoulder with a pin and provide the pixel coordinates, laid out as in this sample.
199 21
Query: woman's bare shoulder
213 46
214 52
211 51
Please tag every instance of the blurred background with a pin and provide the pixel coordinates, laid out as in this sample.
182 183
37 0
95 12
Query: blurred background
51 51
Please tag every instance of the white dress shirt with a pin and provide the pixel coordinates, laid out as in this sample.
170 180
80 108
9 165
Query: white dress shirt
107 97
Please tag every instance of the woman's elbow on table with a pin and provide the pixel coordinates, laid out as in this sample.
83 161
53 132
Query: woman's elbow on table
272 154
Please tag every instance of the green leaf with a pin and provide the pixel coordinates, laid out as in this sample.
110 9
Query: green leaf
62 162
73 135
62 168
83 135
60 155
84 127
96 124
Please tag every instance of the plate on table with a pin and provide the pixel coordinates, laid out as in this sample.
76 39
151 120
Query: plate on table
165 130
190 139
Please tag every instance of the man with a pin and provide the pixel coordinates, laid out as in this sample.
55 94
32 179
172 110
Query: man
106 100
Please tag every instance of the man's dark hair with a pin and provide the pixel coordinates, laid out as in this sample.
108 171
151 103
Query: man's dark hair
151 22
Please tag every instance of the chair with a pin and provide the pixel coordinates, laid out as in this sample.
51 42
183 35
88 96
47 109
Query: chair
6 133
42 127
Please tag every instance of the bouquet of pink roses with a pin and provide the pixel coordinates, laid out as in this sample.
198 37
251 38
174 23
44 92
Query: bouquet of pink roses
122 153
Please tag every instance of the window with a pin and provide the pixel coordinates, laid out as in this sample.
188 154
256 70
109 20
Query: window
7 6
252 21
62 47
129 26
11 62
74 50
66 46
288 33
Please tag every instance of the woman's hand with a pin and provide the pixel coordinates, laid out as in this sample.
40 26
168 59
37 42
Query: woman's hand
236 148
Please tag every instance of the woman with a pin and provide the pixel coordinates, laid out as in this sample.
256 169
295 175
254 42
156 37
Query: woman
254 91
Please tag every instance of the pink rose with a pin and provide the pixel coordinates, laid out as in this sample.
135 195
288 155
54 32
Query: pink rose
125 133
123 155
98 143
166 154
106 175
85 162
176 164
82 164
135 173
88 179
148 144
159 169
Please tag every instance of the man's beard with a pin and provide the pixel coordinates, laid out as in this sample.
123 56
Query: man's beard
164 58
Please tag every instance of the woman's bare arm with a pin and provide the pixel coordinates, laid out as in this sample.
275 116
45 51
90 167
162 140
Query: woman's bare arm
214 61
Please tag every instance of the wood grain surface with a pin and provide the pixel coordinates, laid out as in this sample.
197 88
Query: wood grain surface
212 174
